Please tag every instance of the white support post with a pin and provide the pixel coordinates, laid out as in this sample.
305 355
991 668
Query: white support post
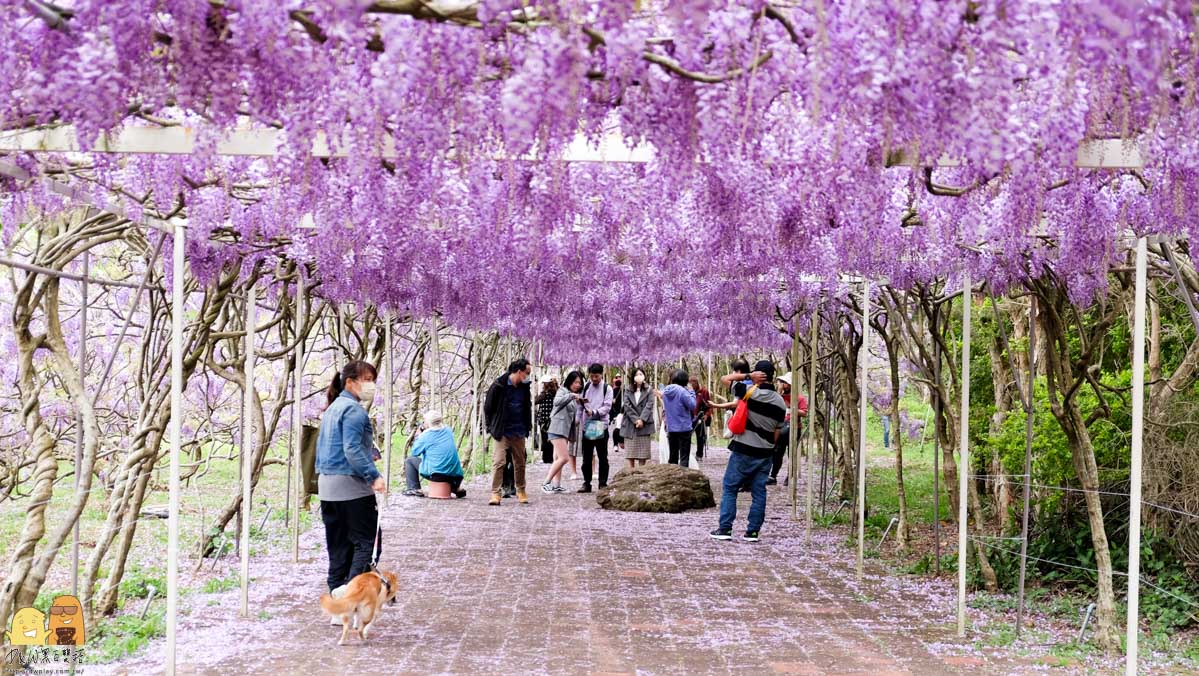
964 453
247 445
435 381
1138 433
863 364
811 445
176 435
79 418
660 417
793 428
389 394
297 417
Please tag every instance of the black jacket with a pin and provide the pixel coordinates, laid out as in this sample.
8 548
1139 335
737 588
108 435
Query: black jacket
495 406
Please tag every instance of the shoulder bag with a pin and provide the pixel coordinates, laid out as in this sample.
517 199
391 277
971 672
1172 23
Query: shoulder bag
741 416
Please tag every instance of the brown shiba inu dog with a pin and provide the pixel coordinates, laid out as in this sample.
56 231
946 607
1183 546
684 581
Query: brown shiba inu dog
363 600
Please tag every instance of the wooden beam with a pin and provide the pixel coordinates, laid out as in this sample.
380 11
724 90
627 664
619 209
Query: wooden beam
181 140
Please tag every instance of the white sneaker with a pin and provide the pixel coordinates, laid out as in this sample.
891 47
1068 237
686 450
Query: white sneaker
547 488
574 477
335 620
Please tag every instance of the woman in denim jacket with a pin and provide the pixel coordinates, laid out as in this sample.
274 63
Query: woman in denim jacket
348 480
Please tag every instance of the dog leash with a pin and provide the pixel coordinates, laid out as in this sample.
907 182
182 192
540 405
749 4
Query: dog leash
380 503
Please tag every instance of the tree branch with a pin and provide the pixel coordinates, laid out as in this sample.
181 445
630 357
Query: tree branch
673 66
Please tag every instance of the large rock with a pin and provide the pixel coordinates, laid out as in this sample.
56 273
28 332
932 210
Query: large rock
657 488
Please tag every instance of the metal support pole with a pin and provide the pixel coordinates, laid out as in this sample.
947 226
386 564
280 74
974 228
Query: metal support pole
1138 434
938 408
435 380
864 360
663 446
247 445
176 435
711 377
297 415
793 428
826 429
389 394
1028 435
964 450
79 418
811 444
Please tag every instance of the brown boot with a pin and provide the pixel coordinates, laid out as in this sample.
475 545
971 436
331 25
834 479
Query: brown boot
495 499
522 496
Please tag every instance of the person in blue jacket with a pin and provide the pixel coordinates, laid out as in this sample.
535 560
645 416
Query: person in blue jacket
678 404
435 457
347 478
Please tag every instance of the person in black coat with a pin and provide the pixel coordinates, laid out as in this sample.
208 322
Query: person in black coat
508 412
545 405
617 409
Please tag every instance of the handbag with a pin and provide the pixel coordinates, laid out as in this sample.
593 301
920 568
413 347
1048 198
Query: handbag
594 429
741 416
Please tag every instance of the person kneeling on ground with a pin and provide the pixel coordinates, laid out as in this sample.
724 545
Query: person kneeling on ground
434 457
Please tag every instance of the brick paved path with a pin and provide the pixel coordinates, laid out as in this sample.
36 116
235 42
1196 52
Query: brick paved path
560 586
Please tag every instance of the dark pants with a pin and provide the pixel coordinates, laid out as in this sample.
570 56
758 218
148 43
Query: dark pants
701 438
680 447
617 437
741 473
780 451
350 527
593 447
547 449
412 476
509 486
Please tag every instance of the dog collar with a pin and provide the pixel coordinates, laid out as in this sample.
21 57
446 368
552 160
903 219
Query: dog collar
384 580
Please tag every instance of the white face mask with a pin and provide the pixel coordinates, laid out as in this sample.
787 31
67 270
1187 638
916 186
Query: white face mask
639 379
366 392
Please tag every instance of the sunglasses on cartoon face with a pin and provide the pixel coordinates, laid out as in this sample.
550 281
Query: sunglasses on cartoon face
63 610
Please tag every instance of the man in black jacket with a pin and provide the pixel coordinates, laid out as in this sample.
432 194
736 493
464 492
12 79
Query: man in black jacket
508 411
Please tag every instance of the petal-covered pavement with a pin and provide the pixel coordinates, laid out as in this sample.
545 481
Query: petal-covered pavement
561 586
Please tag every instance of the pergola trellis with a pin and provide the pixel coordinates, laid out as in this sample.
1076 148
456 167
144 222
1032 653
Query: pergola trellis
182 140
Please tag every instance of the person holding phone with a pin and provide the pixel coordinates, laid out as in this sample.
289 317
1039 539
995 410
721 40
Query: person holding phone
597 403
563 427
751 450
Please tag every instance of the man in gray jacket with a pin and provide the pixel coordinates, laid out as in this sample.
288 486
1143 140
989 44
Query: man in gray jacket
597 403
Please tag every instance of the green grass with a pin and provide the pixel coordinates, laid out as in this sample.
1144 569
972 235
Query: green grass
882 492
219 584
999 635
125 634
202 498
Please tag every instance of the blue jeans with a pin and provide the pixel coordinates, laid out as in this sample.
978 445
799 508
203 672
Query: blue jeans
744 472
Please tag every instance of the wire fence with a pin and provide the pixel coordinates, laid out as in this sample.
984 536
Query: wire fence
1095 491
1096 571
